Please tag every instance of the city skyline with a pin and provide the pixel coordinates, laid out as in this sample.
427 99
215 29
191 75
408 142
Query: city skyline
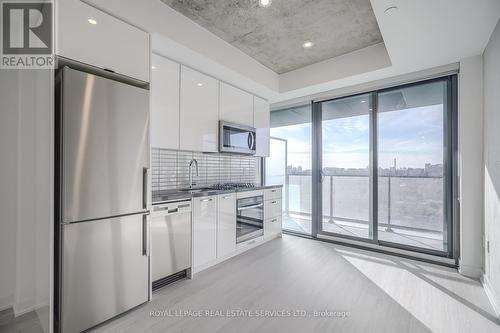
413 136
429 170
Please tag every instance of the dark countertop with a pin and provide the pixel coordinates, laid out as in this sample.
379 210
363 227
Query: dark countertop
171 195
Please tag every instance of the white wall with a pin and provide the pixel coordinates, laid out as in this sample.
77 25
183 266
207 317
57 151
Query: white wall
25 191
8 184
365 60
34 201
471 165
491 60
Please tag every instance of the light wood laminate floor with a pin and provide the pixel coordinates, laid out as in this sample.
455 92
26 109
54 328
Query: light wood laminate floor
380 293
26 323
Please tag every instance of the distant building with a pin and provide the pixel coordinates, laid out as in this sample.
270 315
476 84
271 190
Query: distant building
429 170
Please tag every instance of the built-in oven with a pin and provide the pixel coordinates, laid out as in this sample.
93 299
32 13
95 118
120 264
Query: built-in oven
236 138
249 218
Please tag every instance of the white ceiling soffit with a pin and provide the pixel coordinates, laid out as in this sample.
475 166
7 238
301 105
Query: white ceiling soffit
419 35
427 33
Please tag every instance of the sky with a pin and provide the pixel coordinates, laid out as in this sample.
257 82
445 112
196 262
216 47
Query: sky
413 136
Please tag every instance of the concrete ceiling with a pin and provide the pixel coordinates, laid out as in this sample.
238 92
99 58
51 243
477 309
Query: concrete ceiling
418 37
274 35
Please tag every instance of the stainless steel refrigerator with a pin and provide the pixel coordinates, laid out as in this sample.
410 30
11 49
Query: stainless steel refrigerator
102 158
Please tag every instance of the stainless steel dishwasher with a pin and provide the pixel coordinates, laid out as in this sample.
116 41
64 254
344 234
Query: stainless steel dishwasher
170 242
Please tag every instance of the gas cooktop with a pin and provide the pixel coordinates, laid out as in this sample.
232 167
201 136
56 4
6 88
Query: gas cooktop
231 186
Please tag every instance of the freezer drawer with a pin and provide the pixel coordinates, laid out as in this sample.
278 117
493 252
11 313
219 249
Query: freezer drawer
104 270
105 139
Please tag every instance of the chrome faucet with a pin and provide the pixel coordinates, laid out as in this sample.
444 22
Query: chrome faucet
195 162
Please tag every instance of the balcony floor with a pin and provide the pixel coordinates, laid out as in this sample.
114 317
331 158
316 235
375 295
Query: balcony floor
416 238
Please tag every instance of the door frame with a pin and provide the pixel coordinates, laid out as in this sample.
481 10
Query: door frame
450 167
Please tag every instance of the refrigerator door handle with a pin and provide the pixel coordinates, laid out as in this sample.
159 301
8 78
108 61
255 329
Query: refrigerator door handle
145 235
145 173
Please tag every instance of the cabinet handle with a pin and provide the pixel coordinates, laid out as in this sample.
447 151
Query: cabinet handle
274 220
273 202
145 172
250 207
227 197
145 236
206 200
273 191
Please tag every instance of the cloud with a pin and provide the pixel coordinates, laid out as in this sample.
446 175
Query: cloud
413 136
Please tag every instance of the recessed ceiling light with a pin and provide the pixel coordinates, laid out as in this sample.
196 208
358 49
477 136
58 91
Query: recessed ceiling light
153 67
199 84
265 3
92 21
390 10
307 44
363 101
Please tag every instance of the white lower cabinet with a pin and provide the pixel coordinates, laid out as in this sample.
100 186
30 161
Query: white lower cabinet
214 226
273 211
272 226
204 230
272 193
226 225
272 208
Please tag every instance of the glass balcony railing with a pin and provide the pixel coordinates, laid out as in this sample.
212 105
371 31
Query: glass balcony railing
410 208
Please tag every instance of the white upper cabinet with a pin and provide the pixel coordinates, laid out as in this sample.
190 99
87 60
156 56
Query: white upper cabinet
165 76
109 43
199 117
262 122
236 105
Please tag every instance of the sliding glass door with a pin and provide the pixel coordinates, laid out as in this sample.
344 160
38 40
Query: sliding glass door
375 167
345 170
385 167
412 150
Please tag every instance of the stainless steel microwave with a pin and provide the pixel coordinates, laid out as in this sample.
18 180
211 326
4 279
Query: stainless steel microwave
236 138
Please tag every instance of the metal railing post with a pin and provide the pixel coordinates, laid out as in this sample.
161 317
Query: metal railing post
287 194
331 200
388 228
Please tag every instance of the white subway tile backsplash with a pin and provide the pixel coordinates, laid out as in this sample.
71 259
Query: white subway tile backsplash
169 169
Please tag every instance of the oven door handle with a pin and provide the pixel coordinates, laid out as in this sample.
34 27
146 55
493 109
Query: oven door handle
251 207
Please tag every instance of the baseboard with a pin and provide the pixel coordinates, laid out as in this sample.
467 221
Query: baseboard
470 271
5 307
20 310
6 302
492 295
